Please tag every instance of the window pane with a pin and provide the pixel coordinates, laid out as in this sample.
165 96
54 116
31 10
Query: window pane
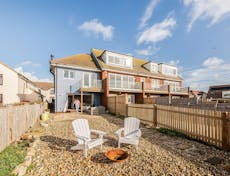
93 80
112 81
71 74
131 82
118 81
86 79
66 74
125 82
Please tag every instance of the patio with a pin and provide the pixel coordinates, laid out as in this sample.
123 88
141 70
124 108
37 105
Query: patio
158 154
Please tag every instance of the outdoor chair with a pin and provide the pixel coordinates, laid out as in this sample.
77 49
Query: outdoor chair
131 132
83 134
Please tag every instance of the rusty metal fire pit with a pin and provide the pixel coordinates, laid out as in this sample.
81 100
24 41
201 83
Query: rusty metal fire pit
116 155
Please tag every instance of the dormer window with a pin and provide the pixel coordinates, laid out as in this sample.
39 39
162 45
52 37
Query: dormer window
168 69
152 67
117 59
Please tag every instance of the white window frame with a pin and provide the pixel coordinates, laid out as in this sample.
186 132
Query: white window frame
130 81
69 73
91 84
131 99
155 83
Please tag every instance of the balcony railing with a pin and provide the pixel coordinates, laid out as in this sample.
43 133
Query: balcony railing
183 90
127 86
94 84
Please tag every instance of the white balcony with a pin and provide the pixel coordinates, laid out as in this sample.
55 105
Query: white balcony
88 86
179 90
126 86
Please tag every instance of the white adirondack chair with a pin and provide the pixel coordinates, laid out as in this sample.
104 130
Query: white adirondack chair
83 133
131 132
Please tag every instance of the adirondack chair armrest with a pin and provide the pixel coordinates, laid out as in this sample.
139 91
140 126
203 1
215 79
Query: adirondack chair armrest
118 132
136 132
82 138
100 133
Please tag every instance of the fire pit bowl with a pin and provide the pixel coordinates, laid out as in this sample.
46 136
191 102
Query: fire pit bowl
116 155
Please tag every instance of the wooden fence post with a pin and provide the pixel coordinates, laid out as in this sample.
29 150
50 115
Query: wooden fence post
226 130
155 115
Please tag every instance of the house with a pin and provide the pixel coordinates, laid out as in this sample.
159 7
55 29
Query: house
47 89
15 88
76 76
219 91
198 94
102 73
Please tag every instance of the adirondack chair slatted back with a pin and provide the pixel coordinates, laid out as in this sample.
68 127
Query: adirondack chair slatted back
131 124
81 128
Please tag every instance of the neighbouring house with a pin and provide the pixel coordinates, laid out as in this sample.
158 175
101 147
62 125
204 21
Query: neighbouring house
15 88
201 95
47 89
102 73
219 91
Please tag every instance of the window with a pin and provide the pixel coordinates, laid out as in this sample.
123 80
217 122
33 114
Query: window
131 82
68 74
119 60
112 81
173 85
155 83
121 81
118 81
71 73
169 70
1 98
125 82
131 99
154 67
89 79
1 79
86 79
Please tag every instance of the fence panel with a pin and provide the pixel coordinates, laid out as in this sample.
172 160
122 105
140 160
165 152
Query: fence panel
15 120
204 125
142 111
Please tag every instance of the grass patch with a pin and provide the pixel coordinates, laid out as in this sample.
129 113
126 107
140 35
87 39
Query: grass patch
10 157
30 168
171 132
178 134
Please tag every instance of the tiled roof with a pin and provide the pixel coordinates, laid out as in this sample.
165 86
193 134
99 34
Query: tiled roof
44 85
79 60
137 67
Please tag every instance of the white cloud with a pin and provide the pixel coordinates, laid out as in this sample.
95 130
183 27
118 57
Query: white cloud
215 10
212 62
31 76
148 13
213 71
28 62
157 32
95 27
149 51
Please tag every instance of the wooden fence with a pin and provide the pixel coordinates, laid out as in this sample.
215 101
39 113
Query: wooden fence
117 104
209 126
15 120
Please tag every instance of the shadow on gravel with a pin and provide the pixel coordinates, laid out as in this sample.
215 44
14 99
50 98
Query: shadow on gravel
58 143
100 158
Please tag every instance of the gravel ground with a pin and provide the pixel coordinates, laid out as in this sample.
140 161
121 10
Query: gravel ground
158 154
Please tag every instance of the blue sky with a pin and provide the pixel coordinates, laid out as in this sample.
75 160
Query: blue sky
194 35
